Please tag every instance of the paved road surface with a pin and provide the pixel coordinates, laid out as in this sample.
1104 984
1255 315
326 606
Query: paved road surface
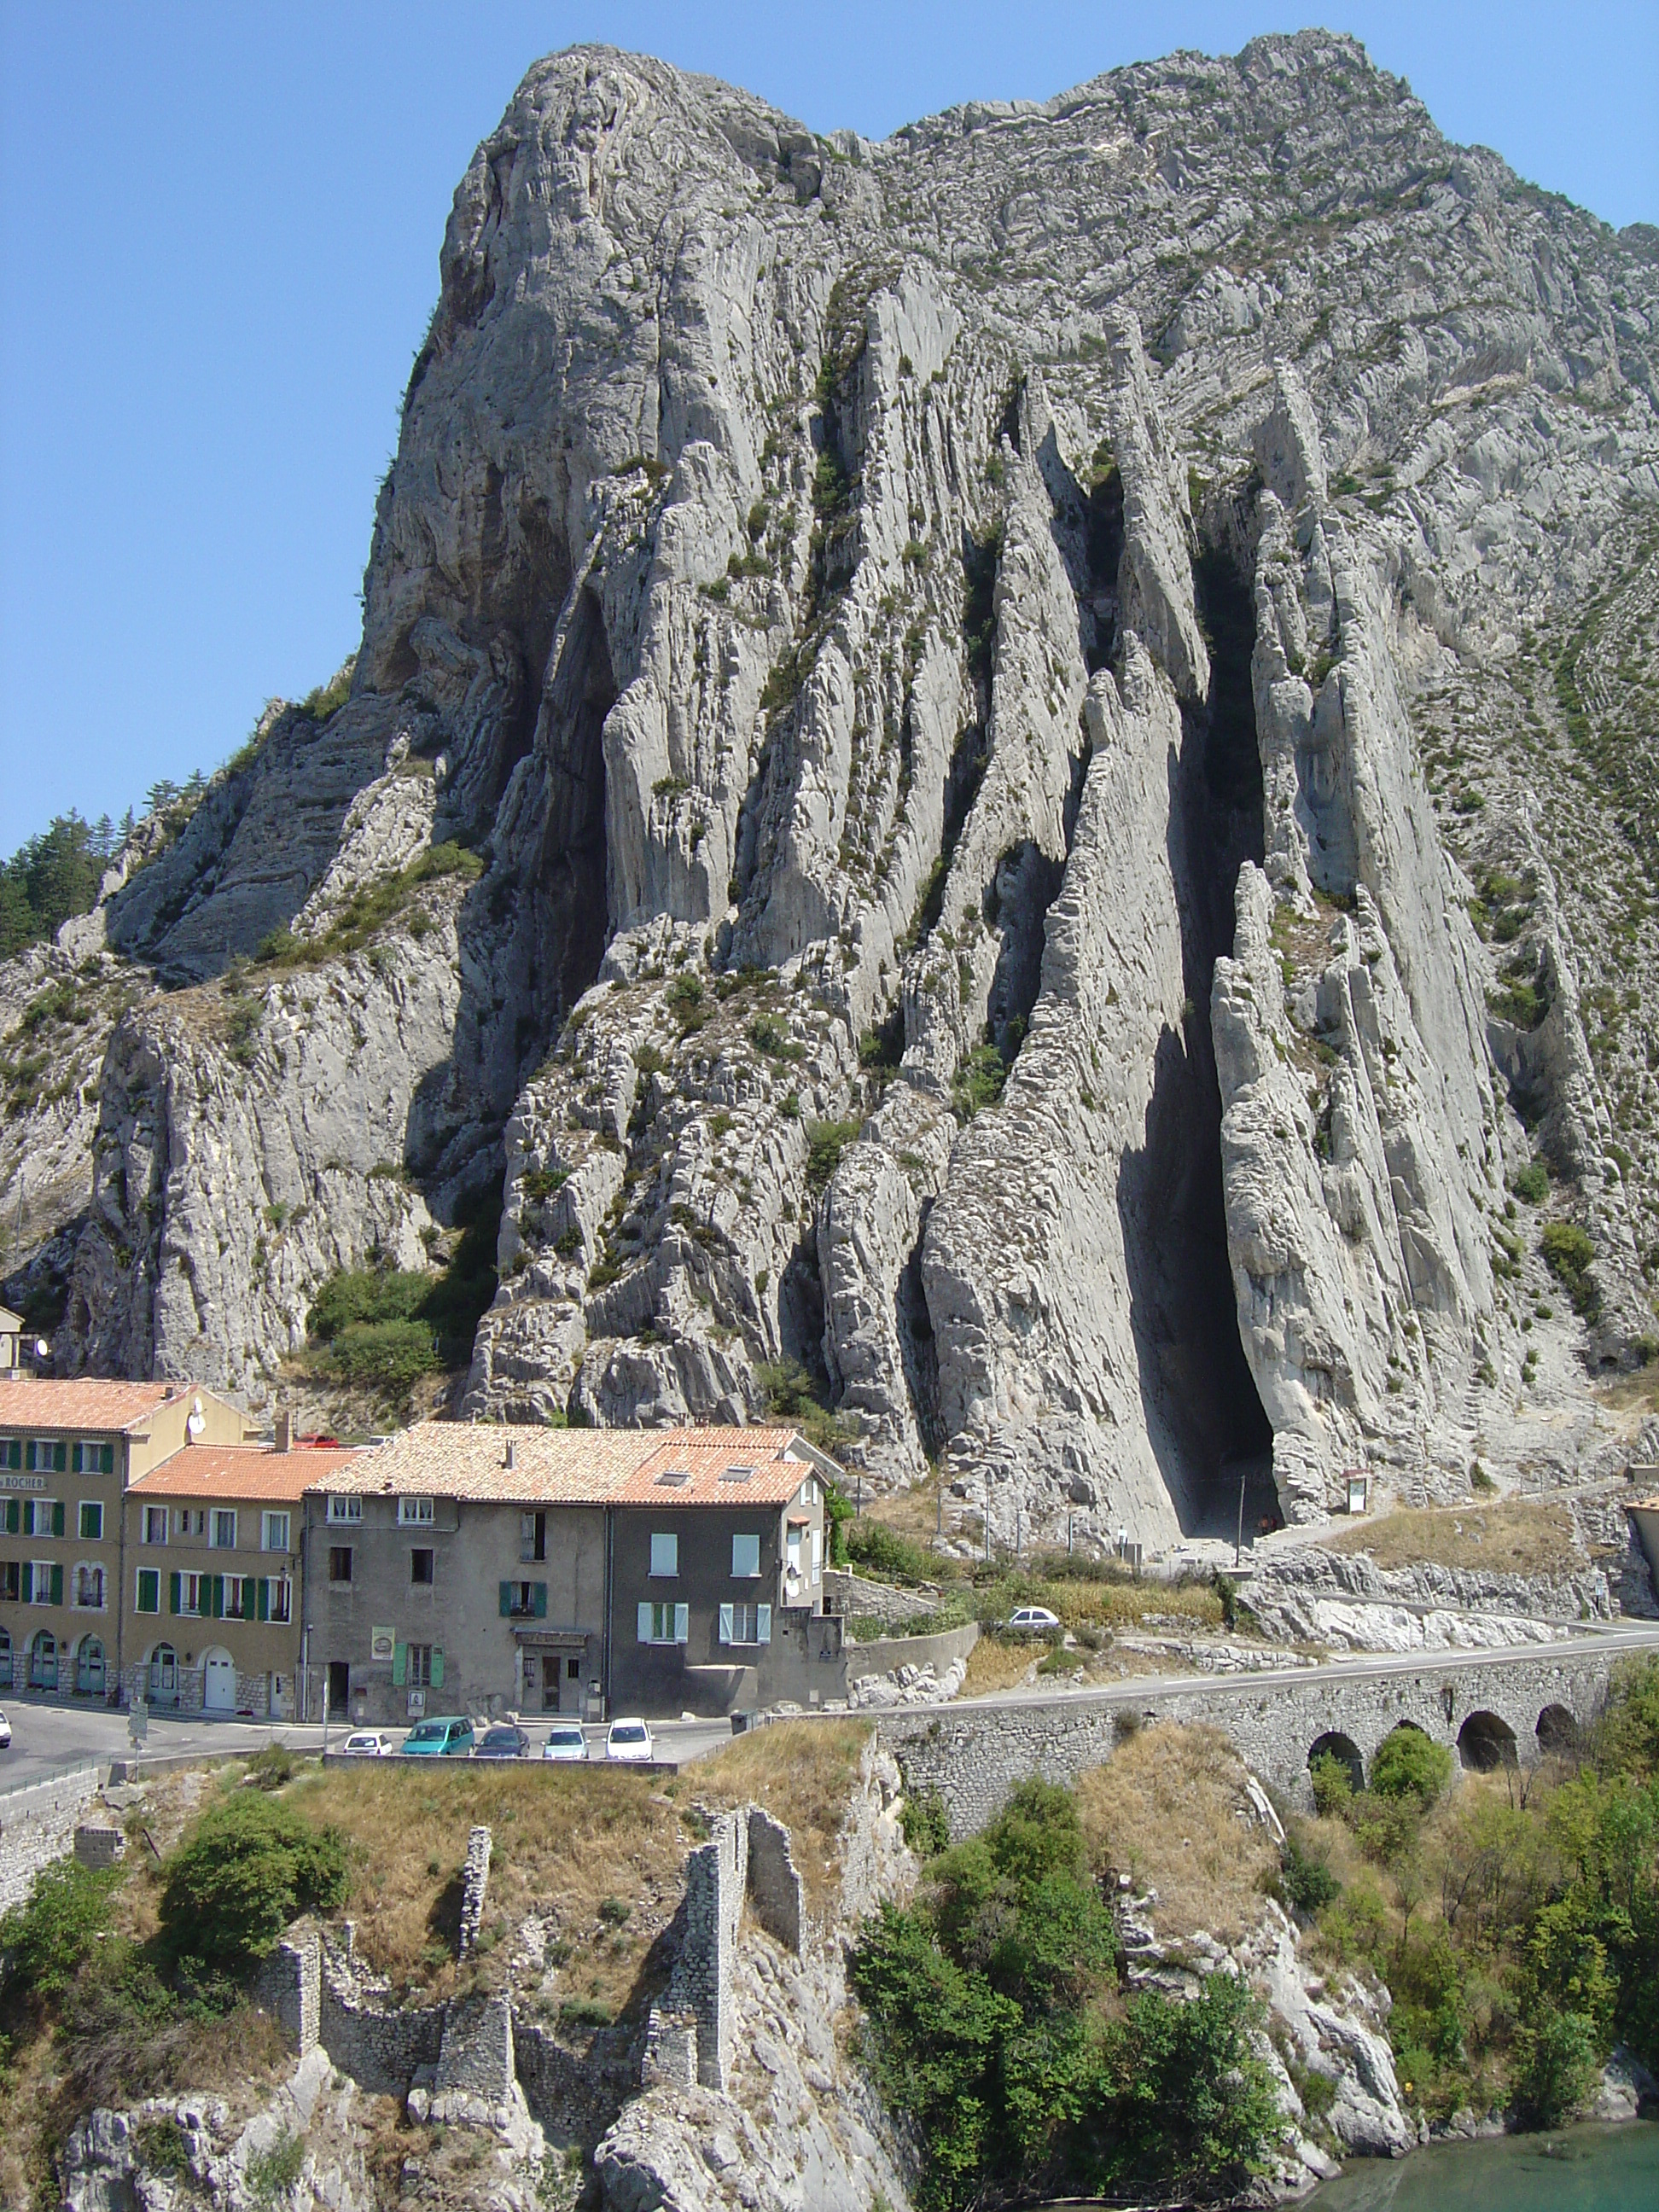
47 1734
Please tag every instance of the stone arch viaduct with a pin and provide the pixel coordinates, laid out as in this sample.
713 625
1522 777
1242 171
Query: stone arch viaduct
1483 1706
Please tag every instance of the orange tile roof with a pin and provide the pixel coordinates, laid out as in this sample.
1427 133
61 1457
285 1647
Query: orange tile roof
708 1459
85 1404
240 1471
551 1467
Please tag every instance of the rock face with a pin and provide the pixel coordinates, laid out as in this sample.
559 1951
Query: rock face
969 770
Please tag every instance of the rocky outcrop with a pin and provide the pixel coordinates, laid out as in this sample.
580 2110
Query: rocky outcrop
968 773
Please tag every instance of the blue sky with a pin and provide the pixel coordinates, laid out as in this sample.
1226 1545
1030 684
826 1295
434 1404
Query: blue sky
219 233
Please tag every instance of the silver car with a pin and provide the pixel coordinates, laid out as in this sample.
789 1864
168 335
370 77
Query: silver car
565 1741
629 1738
5 1733
368 1743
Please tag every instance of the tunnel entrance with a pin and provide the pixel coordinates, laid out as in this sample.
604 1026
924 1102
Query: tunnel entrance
1196 1383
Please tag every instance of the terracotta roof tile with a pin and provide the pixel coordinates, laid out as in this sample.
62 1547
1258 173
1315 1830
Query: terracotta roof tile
551 1467
85 1403
252 1471
719 1467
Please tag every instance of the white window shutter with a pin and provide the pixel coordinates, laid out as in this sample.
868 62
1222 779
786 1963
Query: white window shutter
644 1621
682 1624
762 1624
726 1624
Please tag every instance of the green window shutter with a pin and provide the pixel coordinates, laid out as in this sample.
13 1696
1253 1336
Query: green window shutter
506 1590
57 1585
149 1590
437 1667
218 1601
12 1517
399 1665
762 1624
263 1600
644 1621
726 1624
682 1623
539 1590
28 1582
57 1517
173 1591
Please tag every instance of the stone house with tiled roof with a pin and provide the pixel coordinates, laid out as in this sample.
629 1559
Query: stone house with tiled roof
475 1569
69 1452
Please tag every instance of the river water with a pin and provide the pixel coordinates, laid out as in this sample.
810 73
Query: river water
1589 2169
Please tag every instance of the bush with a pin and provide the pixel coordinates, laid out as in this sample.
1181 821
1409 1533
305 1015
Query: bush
925 1822
886 1553
825 1143
364 1295
1556 2065
1333 1785
979 1081
388 1356
272 1767
1308 1883
271 2173
1567 1252
250 1866
46 1942
1409 1764
1533 1183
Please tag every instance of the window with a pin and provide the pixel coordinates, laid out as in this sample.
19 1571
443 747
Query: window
664 1623
91 1522
155 1524
88 1589
412 1512
193 1590
193 1524
277 1599
532 1536
275 1532
239 1590
42 1516
48 1583
345 1509
11 1451
422 1563
339 1563
524 1601
150 1590
93 1459
11 1580
746 1556
818 1553
222 1533
45 1455
418 1665
745 1623
665 1555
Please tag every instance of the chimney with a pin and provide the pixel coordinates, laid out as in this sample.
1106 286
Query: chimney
512 1460
283 1436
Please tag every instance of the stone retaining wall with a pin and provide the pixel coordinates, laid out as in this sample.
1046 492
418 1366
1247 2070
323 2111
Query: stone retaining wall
857 1598
37 1825
474 1882
976 1757
889 1652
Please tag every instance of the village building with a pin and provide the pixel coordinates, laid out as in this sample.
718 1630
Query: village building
472 1569
212 1596
68 1451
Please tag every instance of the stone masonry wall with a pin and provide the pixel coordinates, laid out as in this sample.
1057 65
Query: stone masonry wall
475 1883
976 1758
37 1825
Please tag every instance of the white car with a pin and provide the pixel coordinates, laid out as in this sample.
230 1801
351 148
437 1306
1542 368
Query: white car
629 1738
5 1733
565 1741
368 1743
1032 1620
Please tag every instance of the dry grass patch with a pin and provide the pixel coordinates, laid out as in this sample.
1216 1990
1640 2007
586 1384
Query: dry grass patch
804 1773
1511 1538
999 1662
565 1841
1170 1807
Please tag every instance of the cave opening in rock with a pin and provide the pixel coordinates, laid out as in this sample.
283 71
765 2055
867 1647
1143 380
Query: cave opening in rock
1196 1383
575 902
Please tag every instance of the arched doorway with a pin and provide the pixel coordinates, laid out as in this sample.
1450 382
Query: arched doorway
218 1680
1485 1743
89 1668
163 1675
43 1660
5 1658
1558 1732
1342 1749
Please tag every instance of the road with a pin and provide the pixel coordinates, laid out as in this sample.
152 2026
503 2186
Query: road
48 1735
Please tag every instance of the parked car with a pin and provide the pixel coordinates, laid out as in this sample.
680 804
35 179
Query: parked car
368 1743
629 1738
1033 1620
5 1733
445 1739
502 1742
565 1741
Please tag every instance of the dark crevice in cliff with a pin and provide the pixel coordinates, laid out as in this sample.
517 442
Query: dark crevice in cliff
1194 1371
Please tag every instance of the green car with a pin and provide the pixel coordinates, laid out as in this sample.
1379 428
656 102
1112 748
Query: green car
439 1739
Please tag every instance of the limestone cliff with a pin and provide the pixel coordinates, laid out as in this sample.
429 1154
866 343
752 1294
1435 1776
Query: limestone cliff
1017 766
